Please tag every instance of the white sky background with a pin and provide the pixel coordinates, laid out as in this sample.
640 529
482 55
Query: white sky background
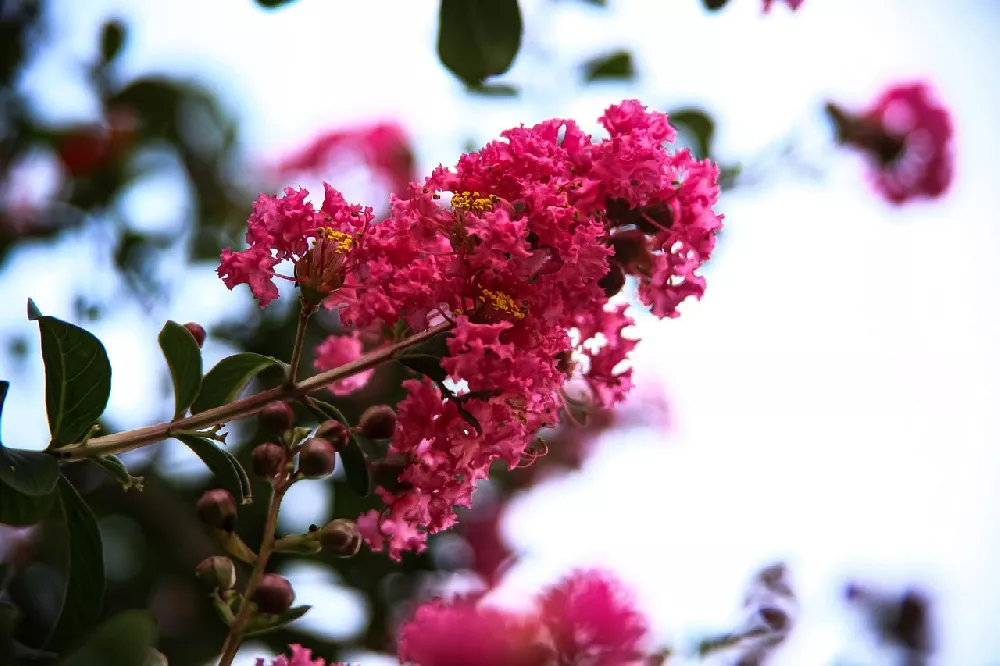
832 394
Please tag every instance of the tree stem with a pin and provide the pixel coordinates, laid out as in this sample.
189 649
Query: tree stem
300 336
236 629
128 440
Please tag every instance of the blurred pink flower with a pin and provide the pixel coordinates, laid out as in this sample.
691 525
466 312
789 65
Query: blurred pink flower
300 657
334 352
794 4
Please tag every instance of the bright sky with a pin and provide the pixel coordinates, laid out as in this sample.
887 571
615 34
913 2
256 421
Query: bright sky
832 393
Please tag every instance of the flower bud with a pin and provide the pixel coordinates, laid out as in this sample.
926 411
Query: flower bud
614 280
217 508
632 252
268 460
340 537
197 331
378 422
277 416
335 432
217 572
274 594
317 458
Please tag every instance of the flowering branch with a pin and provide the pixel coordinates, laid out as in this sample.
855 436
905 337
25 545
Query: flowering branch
139 437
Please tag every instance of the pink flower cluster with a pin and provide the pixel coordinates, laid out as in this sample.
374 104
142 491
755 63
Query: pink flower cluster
301 657
587 618
793 4
519 248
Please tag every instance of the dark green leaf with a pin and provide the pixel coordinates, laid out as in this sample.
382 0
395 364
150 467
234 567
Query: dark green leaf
356 467
112 40
77 378
714 5
184 360
425 364
226 381
33 311
262 624
227 469
84 571
615 66
116 470
493 90
324 410
478 39
20 510
273 4
124 640
698 125
28 472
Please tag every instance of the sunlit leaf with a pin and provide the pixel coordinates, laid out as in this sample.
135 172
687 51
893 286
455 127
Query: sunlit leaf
226 381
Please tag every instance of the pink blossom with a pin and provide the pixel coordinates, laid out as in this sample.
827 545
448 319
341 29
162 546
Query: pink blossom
336 351
300 657
793 4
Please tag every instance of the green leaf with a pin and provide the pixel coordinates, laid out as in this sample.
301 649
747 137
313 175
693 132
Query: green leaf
714 5
478 39
261 624
698 125
226 381
31 473
33 312
77 377
20 510
84 571
116 469
493 90
184 360
227 469
359 475
127 639
273 4
615 66
112 40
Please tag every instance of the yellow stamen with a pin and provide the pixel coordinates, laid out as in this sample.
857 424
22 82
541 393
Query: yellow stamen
501 301
474 200
343 241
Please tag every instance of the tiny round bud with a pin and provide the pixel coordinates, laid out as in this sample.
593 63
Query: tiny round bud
274 594
217 508
197 331
340 537
217 572
378 422
317 458
335 432
614 280
268 460
277 416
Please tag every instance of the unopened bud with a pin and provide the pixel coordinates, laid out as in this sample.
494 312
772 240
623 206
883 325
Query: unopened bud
217 508
614 280
317 458
378 422
340 537
277 416
274 594
268 460
217 572
197 331
335 432
632 251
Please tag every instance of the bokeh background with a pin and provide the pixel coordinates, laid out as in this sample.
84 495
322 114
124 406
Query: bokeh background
829 403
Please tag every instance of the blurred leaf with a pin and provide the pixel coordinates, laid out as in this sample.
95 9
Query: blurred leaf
493 90
77 377
425 358
714 5
125 640
356 467
20 510
84 573
116 469
728 175
478 39
261 624
699 125
27 472
112 40
184 360
226 381
273 4
615 66
227 469
33 311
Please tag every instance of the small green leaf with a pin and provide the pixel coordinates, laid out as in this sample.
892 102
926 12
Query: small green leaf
112 40
227 469
493 90
698 125
77 377
359 475
324 410
33 312
28 472
84 570
20 510
226 381
184 360
261 624
478 39
116 469
615 66
127 639
714 5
